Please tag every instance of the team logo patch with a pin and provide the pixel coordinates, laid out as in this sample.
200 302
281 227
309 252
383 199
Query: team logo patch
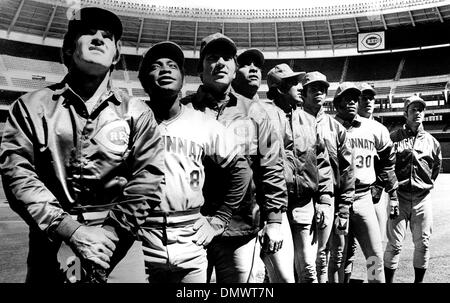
114 136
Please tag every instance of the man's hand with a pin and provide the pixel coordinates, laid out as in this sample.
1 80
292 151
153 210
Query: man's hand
207 228
94 244
376 193
271 238
393 208
322 215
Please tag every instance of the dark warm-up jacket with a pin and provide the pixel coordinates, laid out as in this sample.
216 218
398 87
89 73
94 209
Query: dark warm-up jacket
313 176
58 160
258 142
341 159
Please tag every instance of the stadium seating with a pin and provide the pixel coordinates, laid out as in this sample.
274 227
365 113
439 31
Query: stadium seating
30 83
430 62
420 88
3 80
373 67
33 65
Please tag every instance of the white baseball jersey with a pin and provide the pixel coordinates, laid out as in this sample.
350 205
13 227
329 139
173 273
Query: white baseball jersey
367 138
188 138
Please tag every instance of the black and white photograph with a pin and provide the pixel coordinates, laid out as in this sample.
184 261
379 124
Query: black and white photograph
224 143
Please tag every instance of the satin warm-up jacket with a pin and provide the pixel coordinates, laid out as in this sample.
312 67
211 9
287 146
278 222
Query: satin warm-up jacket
58 160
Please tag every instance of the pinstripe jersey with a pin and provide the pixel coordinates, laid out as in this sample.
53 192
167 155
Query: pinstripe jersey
188 138
367 138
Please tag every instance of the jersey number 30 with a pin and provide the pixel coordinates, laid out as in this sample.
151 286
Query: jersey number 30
362 161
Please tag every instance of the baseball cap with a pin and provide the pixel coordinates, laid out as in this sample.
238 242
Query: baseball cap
280 72
366 87
345 87
214 40
315 76
165 49
414 99
253 54
95 17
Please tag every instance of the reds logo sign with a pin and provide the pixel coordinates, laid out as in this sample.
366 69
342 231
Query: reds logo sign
114 136
372 41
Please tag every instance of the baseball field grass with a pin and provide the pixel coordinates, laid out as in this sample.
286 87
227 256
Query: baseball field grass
14 246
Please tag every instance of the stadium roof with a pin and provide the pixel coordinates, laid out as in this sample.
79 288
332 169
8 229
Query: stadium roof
305 30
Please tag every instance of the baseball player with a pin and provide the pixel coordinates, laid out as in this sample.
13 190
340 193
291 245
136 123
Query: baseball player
366 105
315 88
366 101
233 253
418 164
175 234
279 266
311 198
76 151
367 139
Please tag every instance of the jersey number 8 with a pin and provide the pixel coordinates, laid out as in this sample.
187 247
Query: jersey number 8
195 179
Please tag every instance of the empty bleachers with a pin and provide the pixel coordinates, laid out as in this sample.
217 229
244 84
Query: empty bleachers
384 90
138 92
30 83
118 75
429 62
33 65
373 67
133 76
332 67
420 88
3 80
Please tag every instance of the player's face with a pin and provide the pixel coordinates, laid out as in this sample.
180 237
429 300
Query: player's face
95 51
347 107
366 104
316 93
293 89
415 113
249 74
165 77
219 69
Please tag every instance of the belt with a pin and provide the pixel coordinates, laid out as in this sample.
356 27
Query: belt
91 218
172 218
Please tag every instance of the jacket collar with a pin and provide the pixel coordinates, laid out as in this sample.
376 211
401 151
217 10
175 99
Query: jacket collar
356 122
111 94
204 99
411 132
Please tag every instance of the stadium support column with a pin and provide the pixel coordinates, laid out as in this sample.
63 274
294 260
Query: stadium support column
400 69
412 19
249 34
276 37
16 16
195 36
49 23
141 27
303 36
344 71
439 14
169 28
384 22
356 24
330 33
